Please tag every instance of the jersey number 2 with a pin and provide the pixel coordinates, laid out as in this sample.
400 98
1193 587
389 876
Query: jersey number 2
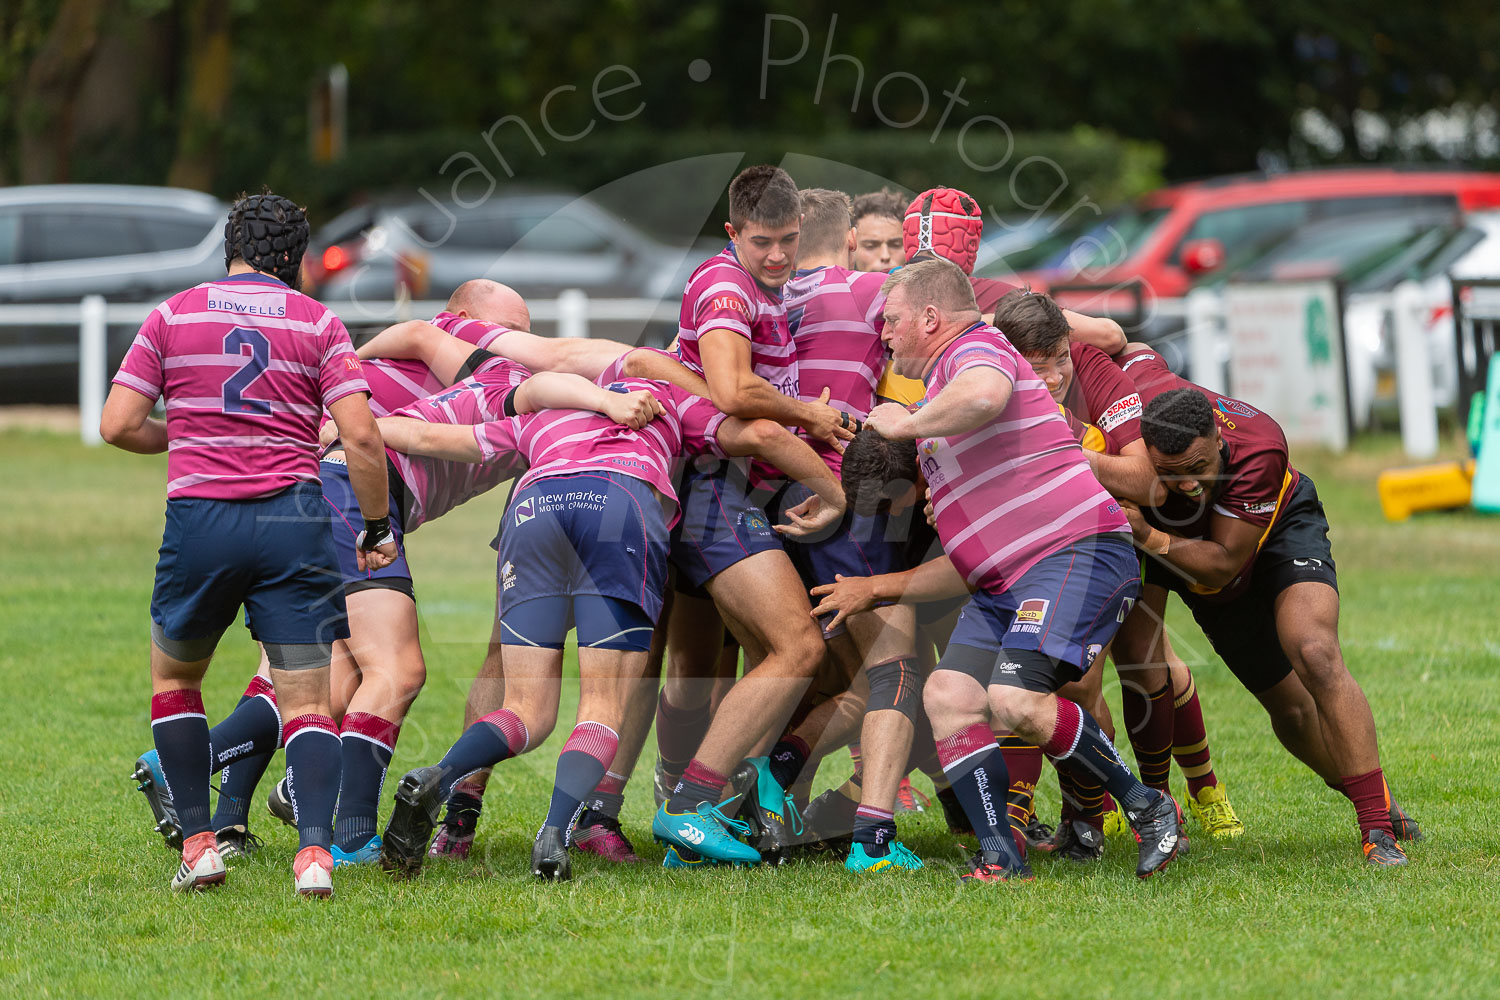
253 346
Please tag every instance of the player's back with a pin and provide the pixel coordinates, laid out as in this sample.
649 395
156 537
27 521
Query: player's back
1017 488
563 442
246 366
835 318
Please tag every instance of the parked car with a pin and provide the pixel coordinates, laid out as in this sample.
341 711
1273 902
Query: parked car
61 242
535 241
1176 235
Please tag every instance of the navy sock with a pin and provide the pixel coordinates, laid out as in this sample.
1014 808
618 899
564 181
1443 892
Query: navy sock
368 742
252 729
787 759
237 782
975 769
313 766
699 783
180 728
1078 742
584 759
875 829
498 736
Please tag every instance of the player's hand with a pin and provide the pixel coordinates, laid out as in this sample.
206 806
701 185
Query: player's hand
810 517
379 557
328 433
633 409
846 596
828 425
1138 526
928 511
889 420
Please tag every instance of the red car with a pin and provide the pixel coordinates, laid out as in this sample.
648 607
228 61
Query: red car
1173 236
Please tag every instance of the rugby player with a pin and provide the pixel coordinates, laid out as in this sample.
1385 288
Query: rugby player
586 542
834 313
734 332
879 244
245 366
1241 536
1088 385
1024 522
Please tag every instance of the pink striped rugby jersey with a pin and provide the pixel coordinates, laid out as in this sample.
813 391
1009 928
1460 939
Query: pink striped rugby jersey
835 318
721 295
436 486
564 442
398 382
1016 489
246 366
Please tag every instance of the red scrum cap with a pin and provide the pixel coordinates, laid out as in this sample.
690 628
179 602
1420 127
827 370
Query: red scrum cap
946 222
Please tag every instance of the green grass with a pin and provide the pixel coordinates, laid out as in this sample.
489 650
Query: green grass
1286 910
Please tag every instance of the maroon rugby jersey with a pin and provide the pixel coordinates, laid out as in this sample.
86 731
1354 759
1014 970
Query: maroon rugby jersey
1256 478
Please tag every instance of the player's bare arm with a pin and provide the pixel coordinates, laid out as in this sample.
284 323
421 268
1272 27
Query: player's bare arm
1128 475
739 392
1210 562
971 400
934 580
770 441
586 357
410 339
563 391
127 423
365 452
662 367
1096 331
446 442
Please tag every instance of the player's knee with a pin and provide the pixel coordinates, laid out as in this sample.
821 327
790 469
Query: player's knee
895 685
801 644
1322 661
948 695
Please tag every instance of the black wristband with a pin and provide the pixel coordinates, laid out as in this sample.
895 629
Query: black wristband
377 532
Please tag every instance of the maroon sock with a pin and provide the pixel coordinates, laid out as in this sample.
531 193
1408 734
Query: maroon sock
1148 719
699 783
678 733
1372 801
1190 741
1023 762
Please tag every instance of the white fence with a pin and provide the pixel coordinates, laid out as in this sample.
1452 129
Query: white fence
572 311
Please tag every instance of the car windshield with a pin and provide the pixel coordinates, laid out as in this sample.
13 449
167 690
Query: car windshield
1349 249
1083 242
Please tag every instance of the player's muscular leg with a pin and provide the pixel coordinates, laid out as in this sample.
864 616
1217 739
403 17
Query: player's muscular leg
1295 721
763 596
170 674
1030 714
1088 691
343 680
881 636
695 638
1307 623
301 692
606 680
1139 649
533 684
954 701
387 652
640 712
487 693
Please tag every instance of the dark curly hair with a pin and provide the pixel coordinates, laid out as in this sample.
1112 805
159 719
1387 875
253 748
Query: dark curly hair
1173 420
876 471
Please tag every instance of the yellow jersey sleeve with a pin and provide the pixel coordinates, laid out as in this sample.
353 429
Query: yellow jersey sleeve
899 388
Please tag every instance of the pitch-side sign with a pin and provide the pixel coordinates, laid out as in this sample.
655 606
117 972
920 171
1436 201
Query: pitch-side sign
1286 357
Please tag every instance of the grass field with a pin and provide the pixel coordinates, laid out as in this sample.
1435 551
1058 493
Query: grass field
1287 910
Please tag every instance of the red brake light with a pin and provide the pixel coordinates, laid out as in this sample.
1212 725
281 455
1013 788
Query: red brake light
336 258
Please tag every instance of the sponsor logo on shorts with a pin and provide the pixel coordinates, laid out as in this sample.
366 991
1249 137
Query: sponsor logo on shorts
525 510
1121 410
1029 615
1126 604
1260 508
507 575
1009 669
1236 408
1304 563
1091 654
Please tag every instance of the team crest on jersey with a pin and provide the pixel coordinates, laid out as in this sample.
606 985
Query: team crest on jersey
525 510
1236 408
1030 615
